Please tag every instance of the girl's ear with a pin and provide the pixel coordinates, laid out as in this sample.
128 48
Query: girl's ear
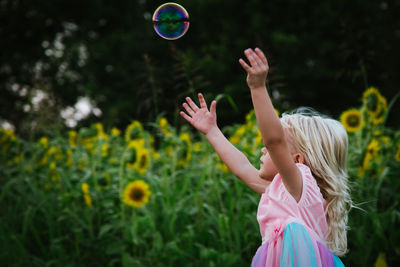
298 158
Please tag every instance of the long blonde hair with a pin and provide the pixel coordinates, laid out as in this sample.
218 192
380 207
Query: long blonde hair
324 144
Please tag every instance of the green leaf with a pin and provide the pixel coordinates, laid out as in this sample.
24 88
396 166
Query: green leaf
105 229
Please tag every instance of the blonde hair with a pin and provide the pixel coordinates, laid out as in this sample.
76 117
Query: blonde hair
324 144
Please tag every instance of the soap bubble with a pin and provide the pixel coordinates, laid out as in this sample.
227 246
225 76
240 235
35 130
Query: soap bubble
171 21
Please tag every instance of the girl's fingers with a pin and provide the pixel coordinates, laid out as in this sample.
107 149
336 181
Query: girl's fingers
213 107
256 58
192 104
186 117
188 109
203 103
261 55
244 65
251 56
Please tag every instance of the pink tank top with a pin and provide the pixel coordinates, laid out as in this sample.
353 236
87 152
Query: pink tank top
277 208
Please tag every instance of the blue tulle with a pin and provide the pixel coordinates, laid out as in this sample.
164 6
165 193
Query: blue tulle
298 250
297 247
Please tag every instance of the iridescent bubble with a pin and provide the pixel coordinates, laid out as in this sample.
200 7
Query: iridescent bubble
171 21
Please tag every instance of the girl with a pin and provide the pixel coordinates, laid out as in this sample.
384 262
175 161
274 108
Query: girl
302 178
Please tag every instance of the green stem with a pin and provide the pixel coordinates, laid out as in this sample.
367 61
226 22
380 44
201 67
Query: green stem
390 106
134 231
121 184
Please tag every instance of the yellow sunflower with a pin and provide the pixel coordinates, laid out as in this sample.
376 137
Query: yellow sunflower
154 154
142 163
397 155
105 150
351 120
115 131
250 115
6 138
133 149
100 131
186 148
136 194
133 131
381 261
139 157
382 108
259 140
85 188
221 165
72 138
371 101
164 126
70 161
197 146
371 153
86 194
234 139
44 142
7 135
238 135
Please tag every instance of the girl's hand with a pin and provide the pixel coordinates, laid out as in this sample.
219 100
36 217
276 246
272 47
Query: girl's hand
257 72
201 119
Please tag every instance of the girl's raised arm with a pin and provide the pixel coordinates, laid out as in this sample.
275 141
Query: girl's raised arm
206 122
269 124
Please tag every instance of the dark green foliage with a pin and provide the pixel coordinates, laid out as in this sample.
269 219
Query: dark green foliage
322 54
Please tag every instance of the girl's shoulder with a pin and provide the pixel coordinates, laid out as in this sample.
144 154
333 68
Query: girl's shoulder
310 195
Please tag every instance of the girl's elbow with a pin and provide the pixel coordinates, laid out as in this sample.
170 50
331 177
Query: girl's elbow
273 141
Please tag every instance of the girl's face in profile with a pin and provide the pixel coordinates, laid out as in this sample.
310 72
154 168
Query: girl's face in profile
267 167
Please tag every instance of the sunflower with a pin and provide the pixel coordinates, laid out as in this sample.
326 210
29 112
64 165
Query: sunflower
238 135
221 165
105 150
397 155
142 161
44 142
101 135
371 153
139 157
115 131
85 188
186 156
164 126
133 131
197 146
351 120
72 138
6 138
259 140
241 130
133 149
382 108
86 194
250 116
381 261
70 161
371 98
136 194
234 139
7 135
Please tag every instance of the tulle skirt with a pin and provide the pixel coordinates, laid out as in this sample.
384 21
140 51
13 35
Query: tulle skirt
296 249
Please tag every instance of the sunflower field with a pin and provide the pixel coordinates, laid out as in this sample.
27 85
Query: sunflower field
155 195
